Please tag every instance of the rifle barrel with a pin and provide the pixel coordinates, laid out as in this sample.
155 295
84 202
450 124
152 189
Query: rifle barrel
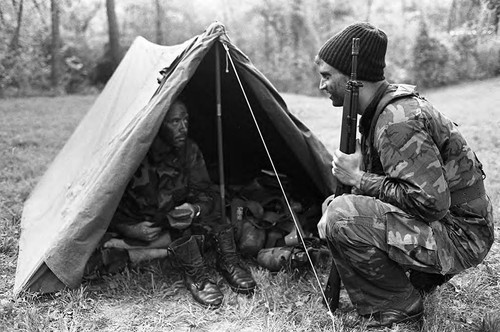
347 145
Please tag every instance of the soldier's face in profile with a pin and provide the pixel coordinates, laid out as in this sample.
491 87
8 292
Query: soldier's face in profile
175 125
332 81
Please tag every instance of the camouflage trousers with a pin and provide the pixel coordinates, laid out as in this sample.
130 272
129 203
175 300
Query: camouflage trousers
374 243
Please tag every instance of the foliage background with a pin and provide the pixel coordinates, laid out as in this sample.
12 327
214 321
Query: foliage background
431 43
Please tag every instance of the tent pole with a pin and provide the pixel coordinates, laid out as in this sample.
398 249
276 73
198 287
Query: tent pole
219 134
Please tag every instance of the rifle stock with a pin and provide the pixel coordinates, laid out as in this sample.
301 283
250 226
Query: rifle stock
348 146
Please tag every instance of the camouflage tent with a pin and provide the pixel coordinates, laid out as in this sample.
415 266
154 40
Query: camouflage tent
72 205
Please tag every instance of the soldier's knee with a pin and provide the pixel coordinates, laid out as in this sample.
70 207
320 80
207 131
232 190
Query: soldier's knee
336 215
341 208
341 215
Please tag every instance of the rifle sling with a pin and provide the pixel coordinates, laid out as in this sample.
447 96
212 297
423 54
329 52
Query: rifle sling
385 99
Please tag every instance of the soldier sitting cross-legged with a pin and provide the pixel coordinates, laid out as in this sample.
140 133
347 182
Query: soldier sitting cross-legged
168 198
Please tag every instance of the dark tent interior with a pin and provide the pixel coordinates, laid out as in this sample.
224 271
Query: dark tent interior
244 152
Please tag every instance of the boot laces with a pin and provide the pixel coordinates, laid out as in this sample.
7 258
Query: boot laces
232 258
228 252
198 270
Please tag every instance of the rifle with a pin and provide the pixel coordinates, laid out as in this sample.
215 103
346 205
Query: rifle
348 146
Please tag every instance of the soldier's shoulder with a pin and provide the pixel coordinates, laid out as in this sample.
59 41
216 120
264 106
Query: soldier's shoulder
399 110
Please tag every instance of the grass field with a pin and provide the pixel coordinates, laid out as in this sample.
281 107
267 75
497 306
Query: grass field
152 298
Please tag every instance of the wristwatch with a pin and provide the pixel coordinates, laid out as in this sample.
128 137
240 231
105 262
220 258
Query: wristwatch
198 210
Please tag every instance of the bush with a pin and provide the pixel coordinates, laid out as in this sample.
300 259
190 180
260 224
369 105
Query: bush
464 54
27 70
489 55
23 70
430 57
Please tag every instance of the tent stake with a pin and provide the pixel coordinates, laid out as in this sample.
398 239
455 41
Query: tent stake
219 134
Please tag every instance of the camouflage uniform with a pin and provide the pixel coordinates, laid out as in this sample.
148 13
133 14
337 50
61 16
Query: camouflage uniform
166 178
404 215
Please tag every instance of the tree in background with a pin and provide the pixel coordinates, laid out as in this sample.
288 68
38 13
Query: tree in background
14 43
493 14
176 20
109 60
80 51
160 16
290 40
463 12
281 37
55 74
114 34
21 59
79 14
430 58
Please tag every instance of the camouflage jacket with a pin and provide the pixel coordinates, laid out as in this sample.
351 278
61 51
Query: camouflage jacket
165 179
415 156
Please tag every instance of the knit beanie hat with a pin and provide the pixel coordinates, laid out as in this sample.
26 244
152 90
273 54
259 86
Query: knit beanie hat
372 47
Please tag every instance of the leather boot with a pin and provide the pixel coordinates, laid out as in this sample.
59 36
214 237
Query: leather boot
427 282
410 313
230 264
188 253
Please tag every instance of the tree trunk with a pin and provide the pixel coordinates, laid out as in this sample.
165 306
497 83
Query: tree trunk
40 12
55 74
114 35
2 19
452 15
14 43
493 16
159 20
496 19
297 26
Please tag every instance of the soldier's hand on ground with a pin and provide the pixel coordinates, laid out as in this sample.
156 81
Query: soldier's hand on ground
347 167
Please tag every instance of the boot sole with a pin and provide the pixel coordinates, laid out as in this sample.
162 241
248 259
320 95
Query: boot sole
208 305
409 319
245 291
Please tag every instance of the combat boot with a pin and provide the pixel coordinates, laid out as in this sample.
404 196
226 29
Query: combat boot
188 253
427 282
230 264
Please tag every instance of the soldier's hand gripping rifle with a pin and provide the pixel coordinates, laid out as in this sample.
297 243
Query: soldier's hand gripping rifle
348 146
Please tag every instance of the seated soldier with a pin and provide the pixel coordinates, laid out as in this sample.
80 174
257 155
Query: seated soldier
168 196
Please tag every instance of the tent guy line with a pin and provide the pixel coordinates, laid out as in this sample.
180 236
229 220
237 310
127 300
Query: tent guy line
296 223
